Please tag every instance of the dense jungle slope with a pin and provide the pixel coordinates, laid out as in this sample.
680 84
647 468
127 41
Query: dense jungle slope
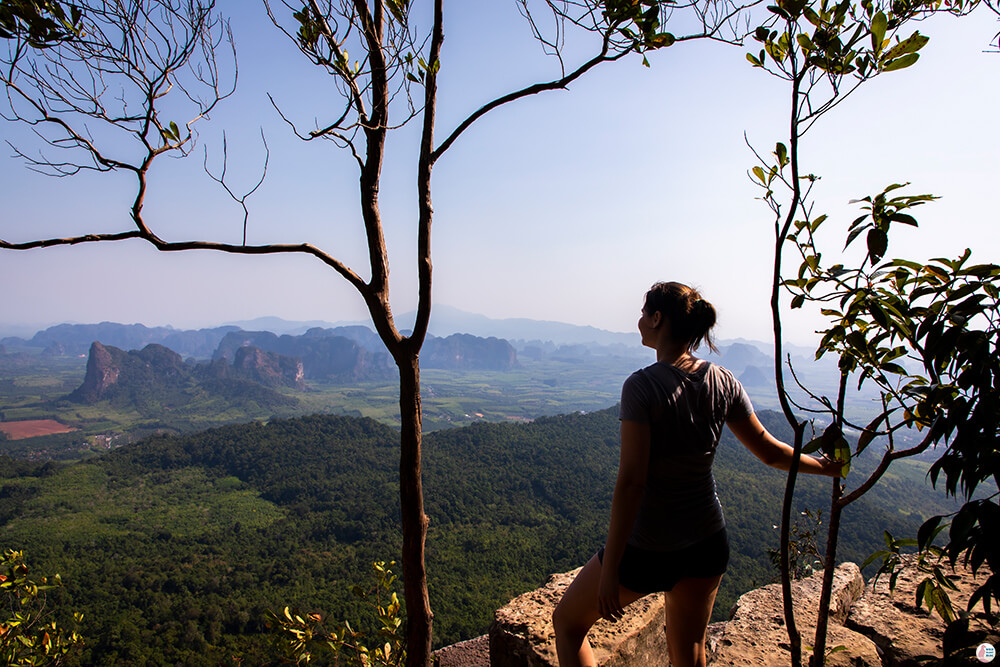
175 547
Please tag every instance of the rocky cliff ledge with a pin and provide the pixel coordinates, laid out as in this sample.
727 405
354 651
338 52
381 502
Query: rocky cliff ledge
875 629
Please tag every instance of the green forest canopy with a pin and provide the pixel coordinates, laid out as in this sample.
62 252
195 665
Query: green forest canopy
176 547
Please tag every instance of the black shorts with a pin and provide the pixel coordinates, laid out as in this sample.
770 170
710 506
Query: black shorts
645 571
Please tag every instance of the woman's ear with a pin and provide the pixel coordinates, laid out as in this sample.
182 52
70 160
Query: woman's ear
656 318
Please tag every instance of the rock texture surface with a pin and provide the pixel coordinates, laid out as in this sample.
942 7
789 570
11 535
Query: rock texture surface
521 634
756 632
903 633
876 628
471 653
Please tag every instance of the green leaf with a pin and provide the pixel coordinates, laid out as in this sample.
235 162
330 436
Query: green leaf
910 45
779 11
878 243
842 452
879 23
396 8
855 231
864 440
878 314
921 592
759 173
813 445
874 557
662 40
900 63
895 369
904 219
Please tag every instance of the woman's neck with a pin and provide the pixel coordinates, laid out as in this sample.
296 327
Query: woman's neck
675 355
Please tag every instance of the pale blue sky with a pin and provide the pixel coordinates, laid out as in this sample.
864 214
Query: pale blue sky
565 206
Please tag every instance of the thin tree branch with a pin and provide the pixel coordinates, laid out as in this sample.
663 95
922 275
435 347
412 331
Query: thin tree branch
221 179
558 84
883 465
176 246
424 169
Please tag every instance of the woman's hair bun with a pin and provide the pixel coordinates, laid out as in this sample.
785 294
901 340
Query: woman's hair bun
704 311
691 317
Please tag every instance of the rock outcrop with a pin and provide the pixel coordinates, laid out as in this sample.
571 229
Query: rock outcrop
111 372
155 378
324 356
466 352
268 368
876 628
522 634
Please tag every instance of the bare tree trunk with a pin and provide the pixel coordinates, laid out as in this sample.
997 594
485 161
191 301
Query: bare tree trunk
794 637
781 234
411 504
830 564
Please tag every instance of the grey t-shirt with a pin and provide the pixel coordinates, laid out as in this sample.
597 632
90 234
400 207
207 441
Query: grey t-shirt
686 413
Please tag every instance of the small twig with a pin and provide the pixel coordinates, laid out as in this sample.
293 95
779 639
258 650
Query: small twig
221 179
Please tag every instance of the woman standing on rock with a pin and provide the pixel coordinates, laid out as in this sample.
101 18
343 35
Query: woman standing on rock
667 531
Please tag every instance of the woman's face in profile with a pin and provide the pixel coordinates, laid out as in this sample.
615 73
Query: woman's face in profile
646 328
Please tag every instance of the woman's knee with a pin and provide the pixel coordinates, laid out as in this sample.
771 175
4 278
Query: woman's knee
577 610
568 621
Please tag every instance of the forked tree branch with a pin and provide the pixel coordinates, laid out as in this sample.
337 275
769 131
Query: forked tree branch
221 179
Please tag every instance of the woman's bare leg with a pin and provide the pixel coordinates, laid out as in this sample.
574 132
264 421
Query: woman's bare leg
689 608
577 612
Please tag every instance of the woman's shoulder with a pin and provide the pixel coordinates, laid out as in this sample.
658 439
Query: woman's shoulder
721 374
725 384
717 370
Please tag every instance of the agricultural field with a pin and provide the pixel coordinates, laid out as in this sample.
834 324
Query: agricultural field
33 428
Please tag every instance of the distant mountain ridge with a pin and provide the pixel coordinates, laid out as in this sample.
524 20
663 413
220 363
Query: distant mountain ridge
534 340
75 339
445 321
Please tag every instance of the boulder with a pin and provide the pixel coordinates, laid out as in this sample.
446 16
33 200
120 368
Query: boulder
903 632
470 653
521 633
756 632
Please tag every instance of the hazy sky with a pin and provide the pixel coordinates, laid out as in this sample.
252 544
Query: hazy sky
565 206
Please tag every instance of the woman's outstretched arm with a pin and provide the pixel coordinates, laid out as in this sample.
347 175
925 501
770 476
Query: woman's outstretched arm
775 453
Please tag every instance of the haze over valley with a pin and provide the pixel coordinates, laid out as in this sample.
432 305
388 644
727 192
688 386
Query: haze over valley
112 383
